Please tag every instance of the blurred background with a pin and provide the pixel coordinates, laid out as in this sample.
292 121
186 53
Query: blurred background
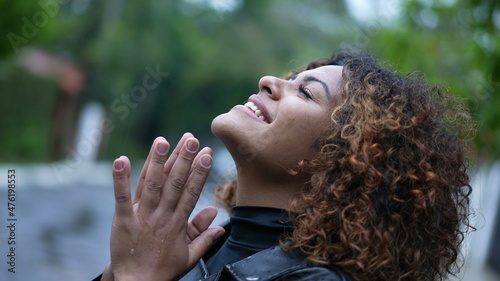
84 81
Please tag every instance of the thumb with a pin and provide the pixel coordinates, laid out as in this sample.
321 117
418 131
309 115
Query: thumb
201 244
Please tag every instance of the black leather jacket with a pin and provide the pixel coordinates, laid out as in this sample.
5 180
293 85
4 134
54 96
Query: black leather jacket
270 265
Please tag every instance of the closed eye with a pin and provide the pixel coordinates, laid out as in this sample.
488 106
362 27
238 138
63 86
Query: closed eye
305 92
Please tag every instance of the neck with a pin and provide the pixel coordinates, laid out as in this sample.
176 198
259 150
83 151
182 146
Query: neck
258 187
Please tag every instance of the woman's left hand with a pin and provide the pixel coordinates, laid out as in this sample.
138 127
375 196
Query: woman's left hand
151 238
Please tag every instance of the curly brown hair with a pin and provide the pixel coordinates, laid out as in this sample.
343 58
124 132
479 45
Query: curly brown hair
388 195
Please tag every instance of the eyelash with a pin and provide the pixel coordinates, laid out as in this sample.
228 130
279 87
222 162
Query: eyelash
305 92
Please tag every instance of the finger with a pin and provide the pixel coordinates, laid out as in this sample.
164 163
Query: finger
107 275
201 222
199 236
152 187
196 159
179 174
201 244
142 177
121 184
173 157
195 183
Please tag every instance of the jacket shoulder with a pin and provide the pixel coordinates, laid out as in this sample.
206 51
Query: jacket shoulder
276 264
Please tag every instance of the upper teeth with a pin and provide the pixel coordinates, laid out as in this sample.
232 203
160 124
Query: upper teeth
255 109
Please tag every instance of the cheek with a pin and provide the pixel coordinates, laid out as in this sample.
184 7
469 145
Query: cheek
310 125
299 136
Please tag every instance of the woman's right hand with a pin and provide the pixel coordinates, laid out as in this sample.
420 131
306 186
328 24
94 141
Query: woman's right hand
151 238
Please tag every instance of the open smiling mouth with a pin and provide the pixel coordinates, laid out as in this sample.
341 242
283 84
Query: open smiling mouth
255 110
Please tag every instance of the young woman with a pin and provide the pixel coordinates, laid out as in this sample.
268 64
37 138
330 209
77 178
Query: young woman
346 171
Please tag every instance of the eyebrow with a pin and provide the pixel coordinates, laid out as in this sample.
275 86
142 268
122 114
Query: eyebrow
325 86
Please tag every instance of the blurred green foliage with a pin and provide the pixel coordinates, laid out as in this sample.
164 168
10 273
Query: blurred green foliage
215 52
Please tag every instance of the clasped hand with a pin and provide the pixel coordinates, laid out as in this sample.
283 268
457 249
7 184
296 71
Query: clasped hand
151 238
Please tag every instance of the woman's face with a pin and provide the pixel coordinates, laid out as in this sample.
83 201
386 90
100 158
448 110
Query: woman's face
280 125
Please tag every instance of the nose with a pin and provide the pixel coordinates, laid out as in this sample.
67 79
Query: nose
272 86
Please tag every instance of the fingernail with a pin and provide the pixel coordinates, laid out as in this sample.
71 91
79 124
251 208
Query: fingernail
118 165
192 146
162 148
206 161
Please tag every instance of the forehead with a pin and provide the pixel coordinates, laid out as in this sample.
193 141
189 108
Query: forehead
331 73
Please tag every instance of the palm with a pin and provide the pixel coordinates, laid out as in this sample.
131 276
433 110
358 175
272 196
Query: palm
151 238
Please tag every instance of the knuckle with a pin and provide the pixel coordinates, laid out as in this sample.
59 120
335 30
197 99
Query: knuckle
186 157
120 177
153 185
193 191
177 183
201 171
122 197
122 224
158 160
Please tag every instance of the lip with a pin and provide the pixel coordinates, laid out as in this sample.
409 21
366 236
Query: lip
260 104
249 112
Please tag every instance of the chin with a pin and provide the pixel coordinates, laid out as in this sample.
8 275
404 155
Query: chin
223 128
227 127
230 132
